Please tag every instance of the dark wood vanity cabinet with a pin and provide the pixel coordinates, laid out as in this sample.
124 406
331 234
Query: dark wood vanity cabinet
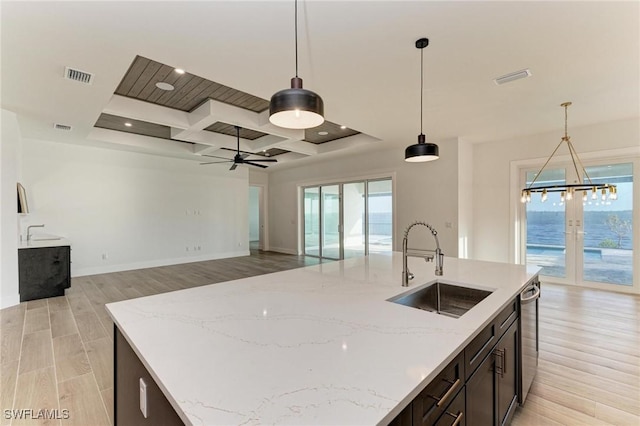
480 386
43 272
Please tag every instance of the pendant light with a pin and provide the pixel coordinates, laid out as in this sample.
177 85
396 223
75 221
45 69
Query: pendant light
567 191
422 151
296 108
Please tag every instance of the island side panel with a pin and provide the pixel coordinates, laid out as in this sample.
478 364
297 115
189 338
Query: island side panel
128 370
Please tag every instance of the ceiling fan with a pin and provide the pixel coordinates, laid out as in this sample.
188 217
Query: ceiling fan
239 158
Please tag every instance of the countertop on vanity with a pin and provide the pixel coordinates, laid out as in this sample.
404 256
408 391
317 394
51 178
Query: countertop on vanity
43 240
315 345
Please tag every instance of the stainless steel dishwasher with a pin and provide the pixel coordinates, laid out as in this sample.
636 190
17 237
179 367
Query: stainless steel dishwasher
529 335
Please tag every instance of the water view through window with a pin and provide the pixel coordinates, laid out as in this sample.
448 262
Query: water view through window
595 235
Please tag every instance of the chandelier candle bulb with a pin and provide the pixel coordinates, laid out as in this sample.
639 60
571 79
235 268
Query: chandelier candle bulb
528 197
544 196
569 194
562 197
584 195
604 194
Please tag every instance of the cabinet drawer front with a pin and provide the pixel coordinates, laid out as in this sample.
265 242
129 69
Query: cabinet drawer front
455 413
430 404
480 347
507 317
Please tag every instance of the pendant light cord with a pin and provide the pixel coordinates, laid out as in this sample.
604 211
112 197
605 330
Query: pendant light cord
421 85
296 29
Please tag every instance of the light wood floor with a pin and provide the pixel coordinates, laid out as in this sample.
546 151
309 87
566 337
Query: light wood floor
57 353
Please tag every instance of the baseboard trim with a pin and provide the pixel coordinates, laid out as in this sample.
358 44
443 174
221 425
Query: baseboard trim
283 250
81 272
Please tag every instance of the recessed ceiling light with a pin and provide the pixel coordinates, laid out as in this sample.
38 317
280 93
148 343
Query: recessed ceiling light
323 133
179 70
164 86
343 127
128 124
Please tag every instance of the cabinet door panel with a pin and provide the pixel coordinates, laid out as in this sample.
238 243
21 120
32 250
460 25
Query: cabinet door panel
480 395
508 379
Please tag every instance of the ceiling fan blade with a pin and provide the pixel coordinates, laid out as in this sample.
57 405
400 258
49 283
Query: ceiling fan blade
233 167
243 156
254 164
270 160
216 162
214 156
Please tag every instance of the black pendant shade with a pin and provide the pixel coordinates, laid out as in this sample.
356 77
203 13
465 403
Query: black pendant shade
421 151
296 108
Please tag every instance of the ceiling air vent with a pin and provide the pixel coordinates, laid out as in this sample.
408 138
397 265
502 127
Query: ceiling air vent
64 127
508 78
77 75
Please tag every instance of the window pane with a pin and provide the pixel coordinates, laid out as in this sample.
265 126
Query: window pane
331 221
312 221
353 194
546 245
608 227
380 216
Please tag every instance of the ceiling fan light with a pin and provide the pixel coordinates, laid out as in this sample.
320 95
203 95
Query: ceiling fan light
296 108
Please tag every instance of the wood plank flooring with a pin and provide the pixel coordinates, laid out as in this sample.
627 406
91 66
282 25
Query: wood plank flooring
589 369
56 354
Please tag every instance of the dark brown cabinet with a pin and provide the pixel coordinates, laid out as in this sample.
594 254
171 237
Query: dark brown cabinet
480 386
492 390
129 371
43 272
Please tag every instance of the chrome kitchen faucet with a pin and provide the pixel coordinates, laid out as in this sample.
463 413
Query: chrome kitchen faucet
406 252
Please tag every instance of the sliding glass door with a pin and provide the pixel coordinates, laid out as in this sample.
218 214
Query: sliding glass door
348 219
587 239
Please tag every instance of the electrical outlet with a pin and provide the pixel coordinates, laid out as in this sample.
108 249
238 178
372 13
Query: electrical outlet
143 398
448 225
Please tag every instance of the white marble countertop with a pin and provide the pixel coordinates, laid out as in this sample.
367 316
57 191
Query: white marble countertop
43 240
315 345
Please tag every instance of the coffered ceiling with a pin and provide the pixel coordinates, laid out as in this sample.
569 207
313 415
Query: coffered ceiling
358 55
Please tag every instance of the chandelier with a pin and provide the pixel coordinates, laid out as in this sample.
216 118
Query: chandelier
568 191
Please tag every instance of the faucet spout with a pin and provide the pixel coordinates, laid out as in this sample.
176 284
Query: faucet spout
406 252
29 230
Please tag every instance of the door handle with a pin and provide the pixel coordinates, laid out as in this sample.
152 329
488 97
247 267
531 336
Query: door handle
448 394
457 417
499 368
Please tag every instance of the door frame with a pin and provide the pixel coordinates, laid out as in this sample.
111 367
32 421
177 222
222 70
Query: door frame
517 248
263 213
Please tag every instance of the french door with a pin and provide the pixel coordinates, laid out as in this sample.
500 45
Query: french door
348 219
588 238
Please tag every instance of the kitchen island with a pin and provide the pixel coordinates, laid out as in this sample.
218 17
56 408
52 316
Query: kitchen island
315 345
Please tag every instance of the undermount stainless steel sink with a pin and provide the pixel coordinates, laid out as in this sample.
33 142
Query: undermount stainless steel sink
442 298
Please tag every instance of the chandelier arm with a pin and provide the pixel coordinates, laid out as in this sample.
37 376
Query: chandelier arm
545 165
573 158
572 149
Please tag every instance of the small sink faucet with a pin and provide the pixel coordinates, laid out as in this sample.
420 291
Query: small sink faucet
406 252
29 230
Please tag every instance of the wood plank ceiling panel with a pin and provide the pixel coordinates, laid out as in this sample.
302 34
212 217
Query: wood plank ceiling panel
137 66
228 129
161 75
334 132
190 91
144 78
114 122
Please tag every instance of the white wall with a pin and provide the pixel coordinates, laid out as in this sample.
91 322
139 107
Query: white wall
465 200
9 173
492 203
422 191
138 209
